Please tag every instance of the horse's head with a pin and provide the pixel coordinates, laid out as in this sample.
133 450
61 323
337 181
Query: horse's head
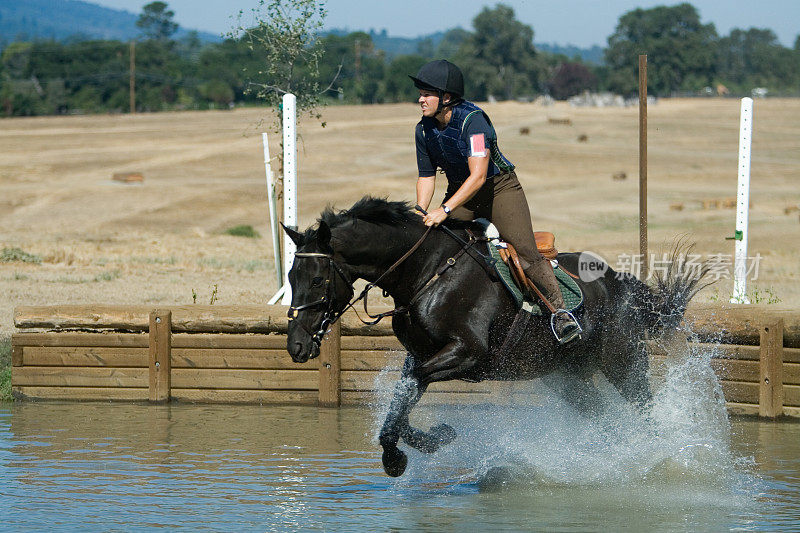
321 289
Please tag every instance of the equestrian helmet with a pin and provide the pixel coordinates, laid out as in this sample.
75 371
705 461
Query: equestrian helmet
441 76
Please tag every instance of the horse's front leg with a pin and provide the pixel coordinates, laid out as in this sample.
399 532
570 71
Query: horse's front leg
407 392
449 363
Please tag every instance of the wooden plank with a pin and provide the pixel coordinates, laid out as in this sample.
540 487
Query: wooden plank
80 393
740 392
198 378
794 412
160 354
791 395
365 381
770 400
744 409
237 358
126 340
229 341
330 367
371 343
741 324
372 359
727 369
292 397
440 398
185 319
80 356
71 376
17 355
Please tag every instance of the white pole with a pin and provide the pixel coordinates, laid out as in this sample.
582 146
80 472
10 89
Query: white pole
289 187
273 214
742 204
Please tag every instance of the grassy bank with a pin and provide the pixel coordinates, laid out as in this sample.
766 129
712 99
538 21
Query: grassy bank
5 369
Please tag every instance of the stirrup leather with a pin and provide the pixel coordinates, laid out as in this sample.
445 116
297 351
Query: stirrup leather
576 333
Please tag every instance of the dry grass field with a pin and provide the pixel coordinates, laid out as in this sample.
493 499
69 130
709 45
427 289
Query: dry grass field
155 242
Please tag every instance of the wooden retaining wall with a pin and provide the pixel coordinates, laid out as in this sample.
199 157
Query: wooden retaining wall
238 354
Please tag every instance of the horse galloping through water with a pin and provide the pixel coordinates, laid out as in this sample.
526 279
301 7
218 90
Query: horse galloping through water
453 319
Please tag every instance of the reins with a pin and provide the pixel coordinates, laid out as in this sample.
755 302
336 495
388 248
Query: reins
332 316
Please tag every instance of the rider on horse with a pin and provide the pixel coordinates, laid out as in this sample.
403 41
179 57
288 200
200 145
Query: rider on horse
456 136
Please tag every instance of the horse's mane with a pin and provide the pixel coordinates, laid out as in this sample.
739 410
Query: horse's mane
371 209
377 211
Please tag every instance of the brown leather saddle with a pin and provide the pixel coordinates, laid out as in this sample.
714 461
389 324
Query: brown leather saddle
545 243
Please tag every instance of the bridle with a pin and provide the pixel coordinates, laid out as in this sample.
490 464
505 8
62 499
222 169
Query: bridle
331 316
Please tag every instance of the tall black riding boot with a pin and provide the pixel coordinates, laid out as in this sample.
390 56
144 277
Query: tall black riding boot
565 327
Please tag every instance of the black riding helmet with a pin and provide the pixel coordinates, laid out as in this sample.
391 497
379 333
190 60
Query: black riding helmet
443 77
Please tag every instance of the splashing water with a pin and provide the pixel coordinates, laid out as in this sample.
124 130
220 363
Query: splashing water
682 442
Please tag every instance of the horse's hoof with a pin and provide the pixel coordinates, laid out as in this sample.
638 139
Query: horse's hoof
394 462
444 434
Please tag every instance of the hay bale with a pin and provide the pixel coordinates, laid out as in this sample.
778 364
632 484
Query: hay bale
676 207
619 176
560 121
524 130
128 177
582 138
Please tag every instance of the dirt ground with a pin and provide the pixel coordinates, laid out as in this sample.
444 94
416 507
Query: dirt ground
158 241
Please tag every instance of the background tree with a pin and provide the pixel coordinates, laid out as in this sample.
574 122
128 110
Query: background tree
571 79
156 21
681 51
754 58
498 58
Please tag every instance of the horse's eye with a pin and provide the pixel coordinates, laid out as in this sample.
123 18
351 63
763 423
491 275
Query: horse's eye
316 282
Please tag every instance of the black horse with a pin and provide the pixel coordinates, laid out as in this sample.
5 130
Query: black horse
454 319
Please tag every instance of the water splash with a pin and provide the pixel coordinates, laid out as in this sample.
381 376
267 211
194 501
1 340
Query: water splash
540 441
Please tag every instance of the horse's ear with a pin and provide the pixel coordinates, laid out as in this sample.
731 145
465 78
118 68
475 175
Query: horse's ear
297 238
324 236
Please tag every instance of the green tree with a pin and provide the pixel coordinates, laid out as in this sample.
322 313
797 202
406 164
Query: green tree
397 87
156 21
285 38
755 57
681 50
498 58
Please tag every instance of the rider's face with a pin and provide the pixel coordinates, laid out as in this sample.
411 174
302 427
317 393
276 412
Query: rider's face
429 102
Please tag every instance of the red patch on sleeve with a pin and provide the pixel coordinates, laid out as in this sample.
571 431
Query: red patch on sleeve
477 145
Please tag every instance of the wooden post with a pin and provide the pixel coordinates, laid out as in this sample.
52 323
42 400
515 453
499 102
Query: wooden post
770 390
160 352
643 165
330 356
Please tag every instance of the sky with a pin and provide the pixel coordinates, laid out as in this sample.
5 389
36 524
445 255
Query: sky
581 23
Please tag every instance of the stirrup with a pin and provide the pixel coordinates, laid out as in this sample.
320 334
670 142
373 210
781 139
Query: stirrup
575 333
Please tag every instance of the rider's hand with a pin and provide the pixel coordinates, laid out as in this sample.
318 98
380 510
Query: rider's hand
435 217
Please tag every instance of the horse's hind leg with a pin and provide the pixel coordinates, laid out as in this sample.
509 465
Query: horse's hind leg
625 365
577 389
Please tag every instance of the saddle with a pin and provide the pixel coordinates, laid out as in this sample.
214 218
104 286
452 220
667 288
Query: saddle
511 273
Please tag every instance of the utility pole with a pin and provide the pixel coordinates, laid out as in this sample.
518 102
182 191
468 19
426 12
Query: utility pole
133 78
643 165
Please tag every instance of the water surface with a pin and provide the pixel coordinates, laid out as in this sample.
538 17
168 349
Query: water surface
683 467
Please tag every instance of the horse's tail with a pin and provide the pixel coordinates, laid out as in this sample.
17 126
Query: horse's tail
675 286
